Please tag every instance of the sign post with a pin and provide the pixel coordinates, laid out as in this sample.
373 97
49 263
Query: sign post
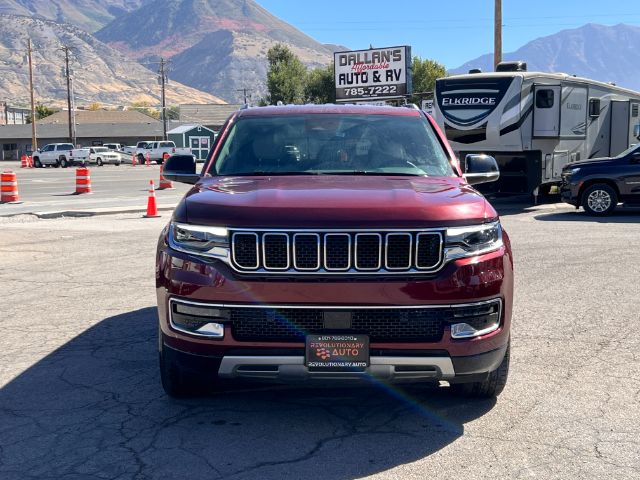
373 75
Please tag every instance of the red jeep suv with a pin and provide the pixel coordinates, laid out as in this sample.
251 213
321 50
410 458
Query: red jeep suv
334 243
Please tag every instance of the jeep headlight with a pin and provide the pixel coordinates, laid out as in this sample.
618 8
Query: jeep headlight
463 242
199 239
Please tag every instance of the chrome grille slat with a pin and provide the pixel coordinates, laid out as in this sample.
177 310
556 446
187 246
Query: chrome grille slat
337 252
428 250
275 251
306 254
368 252
332 251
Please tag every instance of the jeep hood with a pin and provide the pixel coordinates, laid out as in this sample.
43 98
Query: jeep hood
333 201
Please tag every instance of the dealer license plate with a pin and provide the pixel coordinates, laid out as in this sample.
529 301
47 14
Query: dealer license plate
337 351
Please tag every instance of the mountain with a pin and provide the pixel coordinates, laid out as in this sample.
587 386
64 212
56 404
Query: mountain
90 15
102 74
218 46
605 53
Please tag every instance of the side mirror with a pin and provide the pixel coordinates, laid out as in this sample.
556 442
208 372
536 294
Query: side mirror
635 157
181 168
480 169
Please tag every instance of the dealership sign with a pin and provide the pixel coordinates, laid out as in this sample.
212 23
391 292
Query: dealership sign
372 74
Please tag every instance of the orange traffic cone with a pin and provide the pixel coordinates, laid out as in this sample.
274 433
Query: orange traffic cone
152 208
165 157
24 162
147 159
9 187
164 183
83 180
134 160
30 161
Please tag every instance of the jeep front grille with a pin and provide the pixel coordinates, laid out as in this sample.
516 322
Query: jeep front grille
334 252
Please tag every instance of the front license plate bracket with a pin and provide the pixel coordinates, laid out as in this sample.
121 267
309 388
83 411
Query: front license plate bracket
337 351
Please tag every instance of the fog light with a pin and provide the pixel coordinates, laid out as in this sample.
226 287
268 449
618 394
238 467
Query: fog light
211 330
201 311
464 330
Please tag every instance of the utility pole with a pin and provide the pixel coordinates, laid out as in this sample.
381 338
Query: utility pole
244 93
72 126
497 36
34 138
163 79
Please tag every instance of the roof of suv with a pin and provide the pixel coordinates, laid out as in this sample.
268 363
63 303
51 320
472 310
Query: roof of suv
329 108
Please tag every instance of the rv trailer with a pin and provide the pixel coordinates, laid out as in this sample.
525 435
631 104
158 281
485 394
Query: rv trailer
534 123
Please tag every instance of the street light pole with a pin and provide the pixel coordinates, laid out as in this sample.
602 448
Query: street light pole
34 138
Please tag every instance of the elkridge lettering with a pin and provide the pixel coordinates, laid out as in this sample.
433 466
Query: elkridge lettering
489 101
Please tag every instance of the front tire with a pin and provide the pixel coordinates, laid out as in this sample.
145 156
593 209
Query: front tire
599 199
490 387
37 163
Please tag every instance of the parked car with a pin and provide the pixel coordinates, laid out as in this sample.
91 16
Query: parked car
54 154
80 156
156 151
113 146
130 149
598 185
334 243
102 155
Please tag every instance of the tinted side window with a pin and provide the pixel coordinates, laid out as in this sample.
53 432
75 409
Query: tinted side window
544 98
594 107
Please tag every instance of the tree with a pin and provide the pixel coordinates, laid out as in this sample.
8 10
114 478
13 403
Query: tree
424 76
320 86
144 107
42 111
173 113
286 76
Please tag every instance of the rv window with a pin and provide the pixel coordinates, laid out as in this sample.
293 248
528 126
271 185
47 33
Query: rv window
594 107
544 98
634 110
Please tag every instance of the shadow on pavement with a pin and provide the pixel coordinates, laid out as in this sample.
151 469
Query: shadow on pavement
620 215
95 407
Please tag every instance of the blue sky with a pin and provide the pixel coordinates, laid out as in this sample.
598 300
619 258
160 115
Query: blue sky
449 31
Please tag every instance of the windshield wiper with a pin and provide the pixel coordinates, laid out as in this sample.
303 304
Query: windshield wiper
262 173
375 173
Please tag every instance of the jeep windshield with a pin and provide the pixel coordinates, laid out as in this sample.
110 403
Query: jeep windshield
332 144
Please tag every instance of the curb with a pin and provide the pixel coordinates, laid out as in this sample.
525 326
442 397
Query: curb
86 213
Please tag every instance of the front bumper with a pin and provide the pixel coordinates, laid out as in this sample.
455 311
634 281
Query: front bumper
291 368
570 191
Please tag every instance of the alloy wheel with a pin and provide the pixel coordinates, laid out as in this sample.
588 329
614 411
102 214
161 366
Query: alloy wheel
599 201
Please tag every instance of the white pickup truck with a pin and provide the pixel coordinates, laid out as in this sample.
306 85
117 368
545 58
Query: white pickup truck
156 150
54 154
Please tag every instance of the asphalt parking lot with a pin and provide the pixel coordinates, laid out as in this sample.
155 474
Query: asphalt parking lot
80 394
52 190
